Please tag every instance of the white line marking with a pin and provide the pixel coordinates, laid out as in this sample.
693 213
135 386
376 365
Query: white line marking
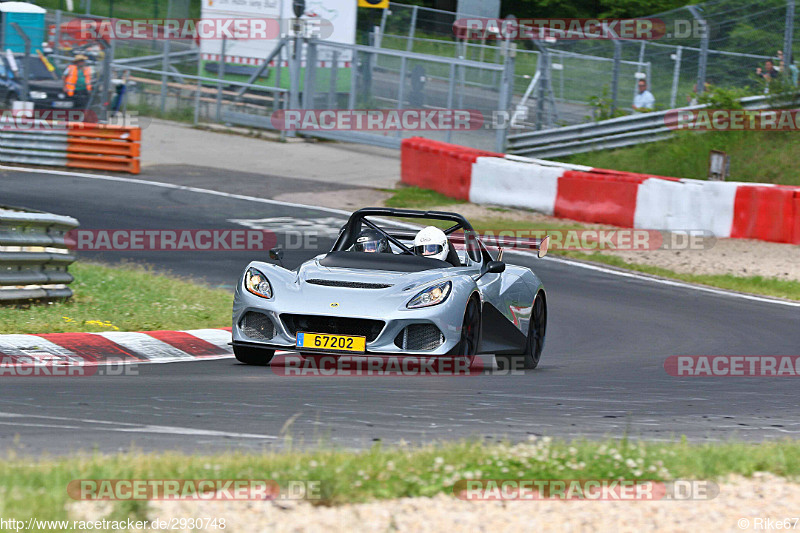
718 292
137 428
663 281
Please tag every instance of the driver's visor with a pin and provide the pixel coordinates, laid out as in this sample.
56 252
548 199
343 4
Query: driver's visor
428 249
369 246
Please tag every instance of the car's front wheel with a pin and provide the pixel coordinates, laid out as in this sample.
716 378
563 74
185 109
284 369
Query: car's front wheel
535 343
467 346
253 356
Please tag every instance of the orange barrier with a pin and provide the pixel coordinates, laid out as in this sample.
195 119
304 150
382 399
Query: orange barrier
103 147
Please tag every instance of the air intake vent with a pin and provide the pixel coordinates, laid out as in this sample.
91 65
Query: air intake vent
257 326
347 284
335 325
419 338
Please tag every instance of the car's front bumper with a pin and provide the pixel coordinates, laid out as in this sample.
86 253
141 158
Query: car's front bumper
448 321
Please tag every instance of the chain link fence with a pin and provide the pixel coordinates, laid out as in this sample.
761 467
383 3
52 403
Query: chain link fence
409 57
592 78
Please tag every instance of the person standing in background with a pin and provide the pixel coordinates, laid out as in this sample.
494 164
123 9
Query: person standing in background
78 81
644 100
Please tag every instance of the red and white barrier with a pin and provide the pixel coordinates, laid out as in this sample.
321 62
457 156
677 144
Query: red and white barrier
728 209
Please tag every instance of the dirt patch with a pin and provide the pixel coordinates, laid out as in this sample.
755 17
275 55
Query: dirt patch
348 199
740 503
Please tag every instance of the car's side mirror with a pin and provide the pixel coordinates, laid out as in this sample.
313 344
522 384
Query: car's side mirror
495 267
276 254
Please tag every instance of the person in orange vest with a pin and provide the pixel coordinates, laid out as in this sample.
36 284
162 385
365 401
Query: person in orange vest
78 81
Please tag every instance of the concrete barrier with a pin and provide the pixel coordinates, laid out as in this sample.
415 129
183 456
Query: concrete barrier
727 209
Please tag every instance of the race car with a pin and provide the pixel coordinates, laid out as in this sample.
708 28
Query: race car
386 289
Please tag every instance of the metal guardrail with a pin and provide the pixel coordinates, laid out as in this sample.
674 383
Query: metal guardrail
156 60
607 134
34 257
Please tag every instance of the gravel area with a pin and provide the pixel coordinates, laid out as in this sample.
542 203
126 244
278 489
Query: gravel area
738 257
763 496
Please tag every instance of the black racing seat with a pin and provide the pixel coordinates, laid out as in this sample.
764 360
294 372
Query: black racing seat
452 255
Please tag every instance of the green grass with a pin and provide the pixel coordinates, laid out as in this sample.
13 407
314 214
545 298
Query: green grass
125 298
413 197
37 487
766 157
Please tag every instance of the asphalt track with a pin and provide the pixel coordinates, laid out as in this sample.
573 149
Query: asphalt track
601 374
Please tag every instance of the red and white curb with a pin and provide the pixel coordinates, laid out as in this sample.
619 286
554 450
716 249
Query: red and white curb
119 347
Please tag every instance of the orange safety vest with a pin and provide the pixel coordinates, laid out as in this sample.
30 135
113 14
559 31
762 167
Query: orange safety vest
71 79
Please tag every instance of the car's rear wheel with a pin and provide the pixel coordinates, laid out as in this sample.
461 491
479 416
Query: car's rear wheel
253 356
467 346
535 343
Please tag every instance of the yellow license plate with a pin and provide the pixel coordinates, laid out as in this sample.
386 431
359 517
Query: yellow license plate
336 343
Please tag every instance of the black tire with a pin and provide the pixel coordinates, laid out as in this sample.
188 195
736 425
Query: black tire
470 332
253 356
535 343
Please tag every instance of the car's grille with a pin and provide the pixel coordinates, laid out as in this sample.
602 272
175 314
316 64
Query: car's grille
335 325
257 326
419 338
348 284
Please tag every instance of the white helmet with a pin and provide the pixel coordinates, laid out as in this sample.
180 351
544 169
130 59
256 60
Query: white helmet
431 242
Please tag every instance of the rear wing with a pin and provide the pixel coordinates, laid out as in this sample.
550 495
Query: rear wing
539 245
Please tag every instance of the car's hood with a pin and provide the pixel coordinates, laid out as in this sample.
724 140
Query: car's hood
313 270
316 289
50 86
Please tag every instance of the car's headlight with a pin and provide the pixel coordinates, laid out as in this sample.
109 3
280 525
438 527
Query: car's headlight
38 95
431 296
257 283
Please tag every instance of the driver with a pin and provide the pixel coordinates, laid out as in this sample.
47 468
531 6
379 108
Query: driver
372 241
431 242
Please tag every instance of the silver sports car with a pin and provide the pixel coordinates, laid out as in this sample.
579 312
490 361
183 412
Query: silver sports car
394 302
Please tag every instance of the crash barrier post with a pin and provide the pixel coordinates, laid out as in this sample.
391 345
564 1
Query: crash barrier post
73 145
727 209
34 257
